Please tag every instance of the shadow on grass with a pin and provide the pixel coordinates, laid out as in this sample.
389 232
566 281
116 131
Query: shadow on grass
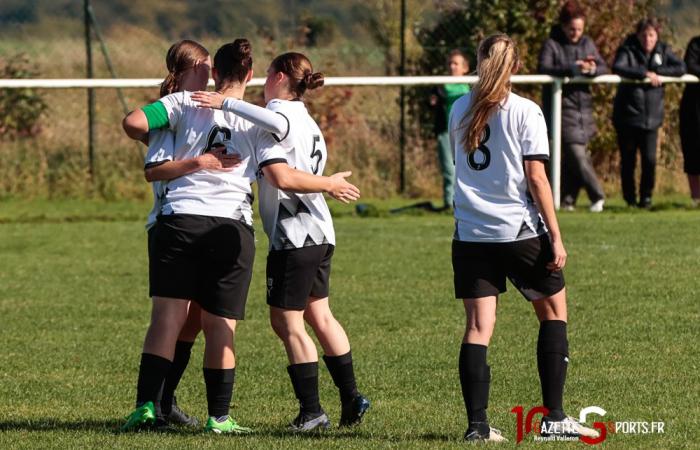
47 424
111 426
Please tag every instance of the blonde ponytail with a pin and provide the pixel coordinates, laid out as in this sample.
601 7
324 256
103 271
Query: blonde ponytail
497 58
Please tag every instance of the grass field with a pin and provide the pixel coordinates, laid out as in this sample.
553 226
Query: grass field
74 308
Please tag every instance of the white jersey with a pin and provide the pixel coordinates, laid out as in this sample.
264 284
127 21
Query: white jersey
293 220
492 202
209 192
161 144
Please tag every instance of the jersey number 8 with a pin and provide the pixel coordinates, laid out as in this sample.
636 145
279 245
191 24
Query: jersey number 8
484 152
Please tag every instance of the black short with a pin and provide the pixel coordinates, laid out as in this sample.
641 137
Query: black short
202 258
295 275
481 268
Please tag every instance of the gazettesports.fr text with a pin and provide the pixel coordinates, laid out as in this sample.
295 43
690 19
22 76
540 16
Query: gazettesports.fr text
635 427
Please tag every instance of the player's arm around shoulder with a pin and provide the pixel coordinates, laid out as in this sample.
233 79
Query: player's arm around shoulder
159 114
286 178
135 125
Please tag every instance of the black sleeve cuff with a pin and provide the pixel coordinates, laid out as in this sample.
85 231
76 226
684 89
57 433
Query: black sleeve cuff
536 158
271 161
278 139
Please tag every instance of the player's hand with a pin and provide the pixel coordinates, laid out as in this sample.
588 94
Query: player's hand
217 159
205 99
559 260
341 190
654 78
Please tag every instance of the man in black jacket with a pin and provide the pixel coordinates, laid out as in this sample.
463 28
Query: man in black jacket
568 53
638 109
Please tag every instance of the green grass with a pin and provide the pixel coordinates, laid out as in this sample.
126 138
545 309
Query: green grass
74 308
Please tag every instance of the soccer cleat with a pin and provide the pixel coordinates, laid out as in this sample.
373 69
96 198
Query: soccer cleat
228 426
305 422
644 203
351 412
494 435
568 208
568 426
180 417
597 207
142 417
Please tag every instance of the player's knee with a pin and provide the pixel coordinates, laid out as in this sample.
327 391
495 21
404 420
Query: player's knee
217 325
283 327
320 320
481 327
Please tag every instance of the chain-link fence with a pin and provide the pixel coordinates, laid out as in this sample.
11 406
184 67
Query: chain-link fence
44 134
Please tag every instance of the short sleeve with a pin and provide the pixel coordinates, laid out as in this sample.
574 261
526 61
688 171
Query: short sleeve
174 105
268 149
161 147
282 139
534 142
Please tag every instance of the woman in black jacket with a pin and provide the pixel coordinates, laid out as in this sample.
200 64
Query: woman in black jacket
639 108
690 122
567 53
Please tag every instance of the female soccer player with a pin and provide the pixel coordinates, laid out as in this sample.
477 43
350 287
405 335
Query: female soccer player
188 65
505 227
203 245
302 241
203 240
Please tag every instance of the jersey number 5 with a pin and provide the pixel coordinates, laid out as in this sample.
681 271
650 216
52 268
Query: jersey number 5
483 151
315 153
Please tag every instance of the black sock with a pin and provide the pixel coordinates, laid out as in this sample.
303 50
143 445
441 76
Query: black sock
305 383
340 368
475 378
219 384
552 361
152 372
183 349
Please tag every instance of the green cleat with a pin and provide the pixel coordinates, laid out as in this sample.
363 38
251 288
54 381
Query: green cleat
228 426
142 417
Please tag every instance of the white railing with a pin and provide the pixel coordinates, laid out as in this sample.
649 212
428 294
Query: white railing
557 84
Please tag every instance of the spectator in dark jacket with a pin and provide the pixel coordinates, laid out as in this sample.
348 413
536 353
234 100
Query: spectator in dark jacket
567 53
690 122
441 101
638 109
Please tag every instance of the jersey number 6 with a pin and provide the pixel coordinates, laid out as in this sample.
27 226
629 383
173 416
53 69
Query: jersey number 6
485 159
315 153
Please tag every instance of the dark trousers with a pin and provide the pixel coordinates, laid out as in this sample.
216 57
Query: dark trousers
630 139
577 173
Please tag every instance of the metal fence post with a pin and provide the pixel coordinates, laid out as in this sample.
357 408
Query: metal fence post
90 92
555 160
402 100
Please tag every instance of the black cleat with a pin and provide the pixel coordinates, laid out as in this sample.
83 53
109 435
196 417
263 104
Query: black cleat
475 435
180 417
306 422
352 411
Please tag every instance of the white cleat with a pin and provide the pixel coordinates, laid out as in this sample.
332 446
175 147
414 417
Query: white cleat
597 206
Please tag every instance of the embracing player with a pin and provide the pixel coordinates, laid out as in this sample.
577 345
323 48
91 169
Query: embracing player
299 226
